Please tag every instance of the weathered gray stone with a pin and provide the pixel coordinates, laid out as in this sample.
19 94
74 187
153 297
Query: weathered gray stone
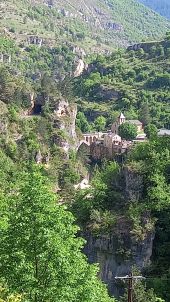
121 248
106 250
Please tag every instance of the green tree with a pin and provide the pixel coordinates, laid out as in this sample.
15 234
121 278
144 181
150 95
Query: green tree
82 122
144 114
127 131
167 37
100 123
40 254
151 131
5 296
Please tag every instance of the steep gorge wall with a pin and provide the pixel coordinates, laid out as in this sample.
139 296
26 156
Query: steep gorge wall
117 254
119 250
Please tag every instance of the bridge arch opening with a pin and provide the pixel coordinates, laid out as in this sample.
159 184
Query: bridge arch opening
83 150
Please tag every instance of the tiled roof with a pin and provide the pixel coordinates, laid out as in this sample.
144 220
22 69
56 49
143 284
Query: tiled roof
136 122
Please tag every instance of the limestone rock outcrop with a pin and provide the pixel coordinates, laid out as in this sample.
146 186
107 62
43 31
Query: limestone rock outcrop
117 254
81 66
65 120
134 184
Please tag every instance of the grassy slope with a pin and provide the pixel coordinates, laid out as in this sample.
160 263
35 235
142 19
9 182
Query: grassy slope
137 21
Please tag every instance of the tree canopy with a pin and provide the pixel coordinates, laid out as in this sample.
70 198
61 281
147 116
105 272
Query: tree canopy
127 131
39 253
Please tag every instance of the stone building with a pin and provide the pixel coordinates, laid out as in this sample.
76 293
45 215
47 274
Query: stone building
121 119
115 127
35 40
111 141
138 124
164 132
108 144
5 58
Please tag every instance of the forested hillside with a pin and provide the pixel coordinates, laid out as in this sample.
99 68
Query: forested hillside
160 6
97 26
61 76
40 253
128 81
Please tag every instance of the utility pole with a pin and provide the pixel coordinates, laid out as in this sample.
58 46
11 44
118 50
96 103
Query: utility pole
130 278
130 287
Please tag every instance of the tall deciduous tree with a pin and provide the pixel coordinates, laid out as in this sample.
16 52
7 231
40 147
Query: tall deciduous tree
151 131
127 131
144 114
82 122
40 254
100 123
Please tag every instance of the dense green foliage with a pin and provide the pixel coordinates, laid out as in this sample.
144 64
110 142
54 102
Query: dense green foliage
39 253
127 131
5 296
82 122
101 209
135 82
151 131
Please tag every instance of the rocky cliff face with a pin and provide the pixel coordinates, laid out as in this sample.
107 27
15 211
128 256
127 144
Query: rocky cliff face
65 120
62 119
117 254
119 250
134 185
81 66
146 46
3 119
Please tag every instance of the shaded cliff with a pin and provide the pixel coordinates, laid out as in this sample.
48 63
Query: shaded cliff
117 254
124 244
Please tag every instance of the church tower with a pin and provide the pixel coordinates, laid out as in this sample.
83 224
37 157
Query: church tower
121 119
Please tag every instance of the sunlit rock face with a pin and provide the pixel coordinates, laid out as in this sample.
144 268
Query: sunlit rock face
80 68
64 117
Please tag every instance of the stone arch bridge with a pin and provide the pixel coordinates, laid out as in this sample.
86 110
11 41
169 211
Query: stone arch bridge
89 138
